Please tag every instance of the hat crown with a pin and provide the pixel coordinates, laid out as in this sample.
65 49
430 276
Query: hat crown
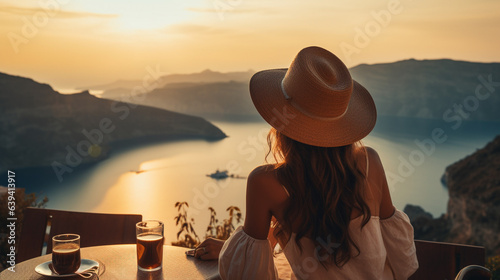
318 83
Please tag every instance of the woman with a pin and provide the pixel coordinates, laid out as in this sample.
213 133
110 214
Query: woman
328 193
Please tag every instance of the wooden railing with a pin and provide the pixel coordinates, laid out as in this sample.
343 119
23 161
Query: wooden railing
440 261
95 229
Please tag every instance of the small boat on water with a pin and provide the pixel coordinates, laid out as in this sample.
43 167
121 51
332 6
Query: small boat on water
219 175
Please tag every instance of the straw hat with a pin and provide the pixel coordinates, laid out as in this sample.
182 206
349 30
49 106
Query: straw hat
315 101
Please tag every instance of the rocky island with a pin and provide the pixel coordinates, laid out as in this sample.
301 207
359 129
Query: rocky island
40 127
473 214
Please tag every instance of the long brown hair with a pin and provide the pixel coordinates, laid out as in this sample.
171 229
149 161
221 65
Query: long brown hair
325 184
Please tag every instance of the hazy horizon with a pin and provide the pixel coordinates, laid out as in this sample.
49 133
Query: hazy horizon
79 88
70 44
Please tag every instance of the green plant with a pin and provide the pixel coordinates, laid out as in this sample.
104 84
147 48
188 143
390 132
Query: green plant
493 264
22 201
224 230
187 237
190 238
212 226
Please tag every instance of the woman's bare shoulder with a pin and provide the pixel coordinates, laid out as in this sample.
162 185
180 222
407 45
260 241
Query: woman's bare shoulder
372 153
374 162
263 170
263 177
263 180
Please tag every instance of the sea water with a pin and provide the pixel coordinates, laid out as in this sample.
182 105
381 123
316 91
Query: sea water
150 179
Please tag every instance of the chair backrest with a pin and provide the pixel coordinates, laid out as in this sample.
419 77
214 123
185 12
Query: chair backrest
439 260
94 228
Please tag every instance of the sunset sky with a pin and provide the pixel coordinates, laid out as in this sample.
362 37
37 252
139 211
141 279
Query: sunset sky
78 43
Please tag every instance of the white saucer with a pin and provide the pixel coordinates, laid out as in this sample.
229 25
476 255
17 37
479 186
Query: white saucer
45 268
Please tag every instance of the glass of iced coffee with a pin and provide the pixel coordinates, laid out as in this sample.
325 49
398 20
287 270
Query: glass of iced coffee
149 245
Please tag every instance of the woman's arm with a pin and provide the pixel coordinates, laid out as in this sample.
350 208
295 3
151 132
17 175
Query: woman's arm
376 169
259 202
246 254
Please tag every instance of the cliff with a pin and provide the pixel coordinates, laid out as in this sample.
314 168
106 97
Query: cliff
473 212
41 127
474 205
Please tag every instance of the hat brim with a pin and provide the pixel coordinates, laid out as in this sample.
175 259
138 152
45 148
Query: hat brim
270 102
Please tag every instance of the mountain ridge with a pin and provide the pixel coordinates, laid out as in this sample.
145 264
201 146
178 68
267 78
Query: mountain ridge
204 76
41 127
423 60
428 89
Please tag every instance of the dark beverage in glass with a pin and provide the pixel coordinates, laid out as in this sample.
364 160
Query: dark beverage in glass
66 259
149 251
66 253
149 245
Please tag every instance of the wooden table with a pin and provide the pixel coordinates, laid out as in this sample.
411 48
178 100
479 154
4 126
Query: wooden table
120 262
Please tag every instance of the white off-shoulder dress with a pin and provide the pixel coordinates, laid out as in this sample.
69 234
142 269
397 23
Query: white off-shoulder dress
387 252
